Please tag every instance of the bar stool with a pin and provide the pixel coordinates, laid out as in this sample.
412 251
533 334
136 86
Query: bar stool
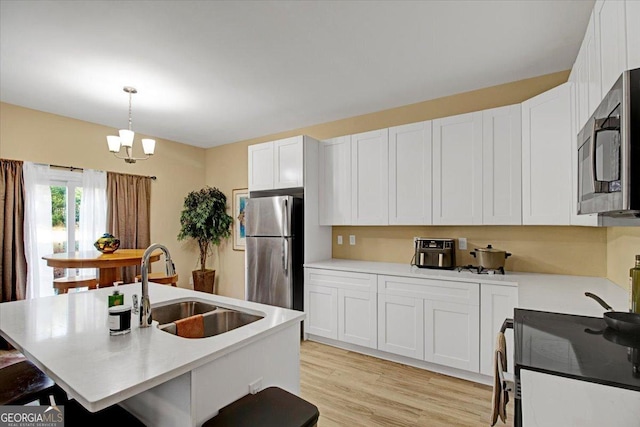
271 407
63 284
22 382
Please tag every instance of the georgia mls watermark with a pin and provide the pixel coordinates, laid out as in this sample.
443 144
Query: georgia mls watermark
31 416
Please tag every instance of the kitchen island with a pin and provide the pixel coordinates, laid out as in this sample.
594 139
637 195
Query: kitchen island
161 378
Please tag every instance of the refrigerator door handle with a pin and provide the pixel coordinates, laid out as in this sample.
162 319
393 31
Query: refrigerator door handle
285 256
285 218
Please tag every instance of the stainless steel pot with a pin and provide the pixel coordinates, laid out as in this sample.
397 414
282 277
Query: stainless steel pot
490 258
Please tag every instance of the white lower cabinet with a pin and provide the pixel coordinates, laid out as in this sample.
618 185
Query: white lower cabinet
433 320
451 334
341 305
496 304
400 325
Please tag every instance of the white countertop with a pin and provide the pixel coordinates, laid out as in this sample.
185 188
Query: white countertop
545 292
67 336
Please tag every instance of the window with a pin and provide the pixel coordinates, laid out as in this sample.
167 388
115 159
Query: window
66 194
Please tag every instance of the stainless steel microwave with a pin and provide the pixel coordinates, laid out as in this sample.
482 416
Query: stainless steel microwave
609 153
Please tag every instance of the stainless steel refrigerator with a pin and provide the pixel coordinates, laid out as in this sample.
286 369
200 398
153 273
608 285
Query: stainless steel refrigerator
274 251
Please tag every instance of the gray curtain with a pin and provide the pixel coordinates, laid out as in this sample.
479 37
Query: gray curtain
13 263
128 213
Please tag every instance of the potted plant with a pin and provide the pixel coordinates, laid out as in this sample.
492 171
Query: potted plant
205 219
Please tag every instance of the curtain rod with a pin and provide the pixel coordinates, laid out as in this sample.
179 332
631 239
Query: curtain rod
73 168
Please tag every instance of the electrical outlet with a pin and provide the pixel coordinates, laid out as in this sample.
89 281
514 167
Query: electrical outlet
339 239
255 386
462 243
352 239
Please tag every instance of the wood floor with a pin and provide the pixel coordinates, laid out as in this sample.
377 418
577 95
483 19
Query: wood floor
352 389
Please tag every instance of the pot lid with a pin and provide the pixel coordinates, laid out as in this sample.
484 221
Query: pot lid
491 249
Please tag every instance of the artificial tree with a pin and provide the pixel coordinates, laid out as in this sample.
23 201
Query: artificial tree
205 219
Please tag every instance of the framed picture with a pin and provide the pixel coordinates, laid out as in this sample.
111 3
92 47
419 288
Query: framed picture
240 197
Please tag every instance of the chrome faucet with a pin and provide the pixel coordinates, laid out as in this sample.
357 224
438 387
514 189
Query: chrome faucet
145 304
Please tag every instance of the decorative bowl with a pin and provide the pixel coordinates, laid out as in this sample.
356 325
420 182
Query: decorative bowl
107 244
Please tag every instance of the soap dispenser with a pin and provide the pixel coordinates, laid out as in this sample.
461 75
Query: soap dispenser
116 298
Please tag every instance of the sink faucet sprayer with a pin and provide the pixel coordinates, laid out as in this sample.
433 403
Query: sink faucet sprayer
145 304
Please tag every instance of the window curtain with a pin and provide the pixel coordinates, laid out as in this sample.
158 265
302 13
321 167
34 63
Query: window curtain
38 235
13 264
128 213
93 208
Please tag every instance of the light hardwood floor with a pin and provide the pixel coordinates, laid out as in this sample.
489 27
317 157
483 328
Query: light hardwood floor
352 389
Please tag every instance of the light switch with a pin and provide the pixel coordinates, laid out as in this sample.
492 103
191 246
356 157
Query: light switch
462 243
352 239
339 239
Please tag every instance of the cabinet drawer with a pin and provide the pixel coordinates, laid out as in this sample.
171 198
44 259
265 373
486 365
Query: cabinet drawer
437 290
341 279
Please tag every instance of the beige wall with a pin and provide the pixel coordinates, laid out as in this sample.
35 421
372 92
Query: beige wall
47 138
623 244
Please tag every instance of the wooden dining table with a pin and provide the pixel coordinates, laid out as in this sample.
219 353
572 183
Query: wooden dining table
109 265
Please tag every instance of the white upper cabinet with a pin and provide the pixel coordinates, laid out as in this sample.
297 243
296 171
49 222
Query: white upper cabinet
587 75
502 166
335 181
610 23
457 170
276 164
546 158
410 174
288 161
261 166
370 178
632 9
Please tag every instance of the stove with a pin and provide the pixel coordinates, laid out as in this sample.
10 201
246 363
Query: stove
479 270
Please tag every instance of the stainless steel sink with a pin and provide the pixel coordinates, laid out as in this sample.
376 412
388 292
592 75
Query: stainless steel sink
171 312
218 322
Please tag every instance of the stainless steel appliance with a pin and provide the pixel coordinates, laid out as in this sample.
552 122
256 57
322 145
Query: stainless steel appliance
435 253
609 153
275 251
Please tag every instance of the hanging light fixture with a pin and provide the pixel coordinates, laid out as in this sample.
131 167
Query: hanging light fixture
126 138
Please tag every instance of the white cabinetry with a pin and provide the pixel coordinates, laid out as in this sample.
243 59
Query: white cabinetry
457 170
276 164
335 181
502 166
370 178
632 10
546 161
410 174
431 319
587 75
341 305
496 304
610 25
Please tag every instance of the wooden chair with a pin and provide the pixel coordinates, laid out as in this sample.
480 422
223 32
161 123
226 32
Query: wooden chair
161 278
22 383
63 284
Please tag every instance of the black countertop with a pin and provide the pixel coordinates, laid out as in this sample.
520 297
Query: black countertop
576 347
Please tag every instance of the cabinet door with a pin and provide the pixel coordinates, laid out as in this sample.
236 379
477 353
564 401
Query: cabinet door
457 170
357 317
261 166
496 304
335 181
410 174
321 307
632 9
611 32
502 166
587 79
370 178
400 325
287 162
546 158
452 336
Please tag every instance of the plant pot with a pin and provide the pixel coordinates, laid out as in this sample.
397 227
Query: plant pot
204 280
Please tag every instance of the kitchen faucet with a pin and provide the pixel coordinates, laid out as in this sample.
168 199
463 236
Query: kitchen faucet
145 304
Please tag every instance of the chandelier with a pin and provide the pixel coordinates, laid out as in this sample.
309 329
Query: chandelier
126 138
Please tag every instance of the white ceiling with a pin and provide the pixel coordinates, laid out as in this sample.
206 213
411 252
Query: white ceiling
210 73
